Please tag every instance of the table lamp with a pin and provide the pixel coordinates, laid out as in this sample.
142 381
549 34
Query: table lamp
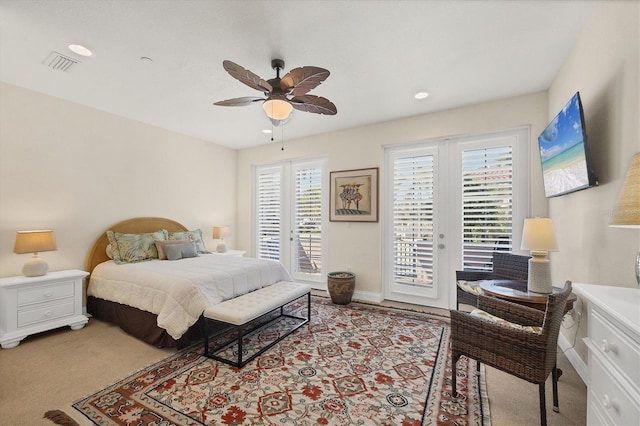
219 232
627 211
34 242
538 237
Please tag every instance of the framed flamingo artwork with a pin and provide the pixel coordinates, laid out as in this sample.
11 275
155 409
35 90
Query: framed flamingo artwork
354 195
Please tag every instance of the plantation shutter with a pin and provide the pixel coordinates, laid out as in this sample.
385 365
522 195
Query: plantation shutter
289 199
487 204
308 219
269 213
413 215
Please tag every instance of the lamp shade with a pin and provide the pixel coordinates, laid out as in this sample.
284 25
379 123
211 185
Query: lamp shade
627 210
219 232
34 241
277 109
538 235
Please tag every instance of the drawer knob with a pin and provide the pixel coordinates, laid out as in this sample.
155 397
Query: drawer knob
608 347
48 314
48 293
608 403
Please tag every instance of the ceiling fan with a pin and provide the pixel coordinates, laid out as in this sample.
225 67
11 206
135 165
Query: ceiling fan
282 95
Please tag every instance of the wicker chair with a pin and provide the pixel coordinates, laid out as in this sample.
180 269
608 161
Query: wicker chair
505 266
528 355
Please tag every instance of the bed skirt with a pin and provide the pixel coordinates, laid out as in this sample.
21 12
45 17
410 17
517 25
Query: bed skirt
140 324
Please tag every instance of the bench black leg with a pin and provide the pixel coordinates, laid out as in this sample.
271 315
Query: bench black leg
240 339
242 329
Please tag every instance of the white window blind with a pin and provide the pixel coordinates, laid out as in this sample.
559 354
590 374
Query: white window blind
487 204
413 203
268 196
308 219
289 216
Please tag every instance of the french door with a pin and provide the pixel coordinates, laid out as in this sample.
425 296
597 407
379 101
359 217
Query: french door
289 217
451 203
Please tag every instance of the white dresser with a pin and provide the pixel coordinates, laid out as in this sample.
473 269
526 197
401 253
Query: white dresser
31 305
613 339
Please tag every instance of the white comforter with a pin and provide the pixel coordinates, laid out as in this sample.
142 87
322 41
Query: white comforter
178 291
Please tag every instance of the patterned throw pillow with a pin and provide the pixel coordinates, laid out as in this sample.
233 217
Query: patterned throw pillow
472 287
479 313
130 248
195 236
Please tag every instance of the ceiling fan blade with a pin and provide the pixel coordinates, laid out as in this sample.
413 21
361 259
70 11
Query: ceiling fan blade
314 104
303 79
247 77
247 100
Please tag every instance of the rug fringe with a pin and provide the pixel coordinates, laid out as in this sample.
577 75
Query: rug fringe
59 417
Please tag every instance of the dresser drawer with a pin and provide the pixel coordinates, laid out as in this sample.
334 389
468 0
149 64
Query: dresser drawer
620 349
29 296
27 317
609 398
595 416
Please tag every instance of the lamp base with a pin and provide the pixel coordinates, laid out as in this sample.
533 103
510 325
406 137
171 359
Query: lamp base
222 247
539 277
35 267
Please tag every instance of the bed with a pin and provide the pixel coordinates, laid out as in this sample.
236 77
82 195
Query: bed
161 301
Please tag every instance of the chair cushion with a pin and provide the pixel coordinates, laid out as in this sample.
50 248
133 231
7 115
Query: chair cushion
472 287
479 313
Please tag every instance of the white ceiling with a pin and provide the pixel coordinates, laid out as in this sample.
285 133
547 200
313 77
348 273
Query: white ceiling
379 52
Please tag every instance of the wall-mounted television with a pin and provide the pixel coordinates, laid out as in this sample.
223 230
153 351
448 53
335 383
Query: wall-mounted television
566 162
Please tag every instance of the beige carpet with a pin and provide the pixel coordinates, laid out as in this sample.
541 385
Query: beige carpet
53 369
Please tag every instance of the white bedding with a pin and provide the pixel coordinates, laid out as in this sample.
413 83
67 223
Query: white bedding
179 291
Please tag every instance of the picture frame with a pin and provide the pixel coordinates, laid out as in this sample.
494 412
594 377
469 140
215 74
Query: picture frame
353 195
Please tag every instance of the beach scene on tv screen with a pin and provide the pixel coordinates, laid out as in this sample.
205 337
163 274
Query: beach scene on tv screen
562 151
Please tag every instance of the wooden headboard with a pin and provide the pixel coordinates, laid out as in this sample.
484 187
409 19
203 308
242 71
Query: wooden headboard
137 225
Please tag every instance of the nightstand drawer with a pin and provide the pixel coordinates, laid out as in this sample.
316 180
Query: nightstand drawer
30 305
29 296
609 397
617 347
28 317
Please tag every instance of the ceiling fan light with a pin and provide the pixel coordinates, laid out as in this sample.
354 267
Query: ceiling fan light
277 109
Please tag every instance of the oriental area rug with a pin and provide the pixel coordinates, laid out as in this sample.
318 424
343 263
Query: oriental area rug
352 364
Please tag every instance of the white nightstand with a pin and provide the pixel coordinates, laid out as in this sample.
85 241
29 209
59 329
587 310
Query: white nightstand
30 305
238 253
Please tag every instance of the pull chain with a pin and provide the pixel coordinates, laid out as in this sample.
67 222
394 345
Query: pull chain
271 131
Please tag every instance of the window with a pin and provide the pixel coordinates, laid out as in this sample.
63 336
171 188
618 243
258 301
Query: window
487 204
290 217
413 178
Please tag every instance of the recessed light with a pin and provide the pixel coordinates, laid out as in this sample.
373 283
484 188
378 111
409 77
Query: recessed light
266 131
80 50
421 95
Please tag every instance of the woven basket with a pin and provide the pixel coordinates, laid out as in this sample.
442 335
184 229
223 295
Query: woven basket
341 286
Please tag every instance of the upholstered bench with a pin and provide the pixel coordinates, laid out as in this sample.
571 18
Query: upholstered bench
237 316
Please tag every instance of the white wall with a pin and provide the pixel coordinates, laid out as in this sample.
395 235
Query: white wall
358 245
78 170
603 66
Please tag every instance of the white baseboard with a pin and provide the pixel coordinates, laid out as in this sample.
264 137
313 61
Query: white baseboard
367 296
573 357
364 296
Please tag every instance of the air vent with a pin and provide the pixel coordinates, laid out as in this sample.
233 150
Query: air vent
60 62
